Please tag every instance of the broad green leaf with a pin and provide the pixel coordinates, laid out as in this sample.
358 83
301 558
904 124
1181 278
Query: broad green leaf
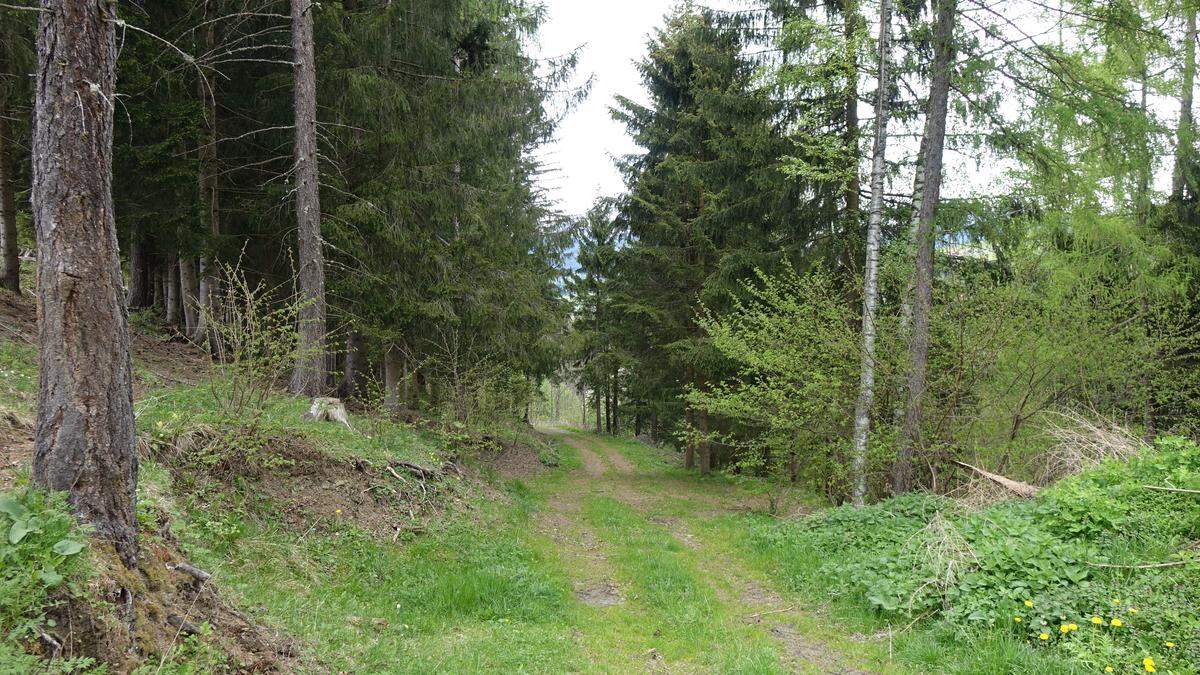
14 509
51 577
68 547
18 531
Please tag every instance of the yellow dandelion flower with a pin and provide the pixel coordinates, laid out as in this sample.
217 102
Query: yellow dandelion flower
1073 626
1017 619
1133 610
1029 603
1116 601
1097 620
1108 669
1117 623
337 511
1170 645
1148 664
1044 636
1064 628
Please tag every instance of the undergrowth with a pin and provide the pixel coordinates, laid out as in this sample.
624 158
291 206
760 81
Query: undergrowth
1066 573
42 555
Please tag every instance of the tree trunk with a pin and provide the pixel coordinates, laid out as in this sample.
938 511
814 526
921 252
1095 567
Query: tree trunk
10 253
616 409
208 185
850 26
689 452
1142 214
607 409
935 132
599 414
349 388
85 434
706 463
1185 134
866 381
141 293
308 378
160 283
391 378
188 292
172 277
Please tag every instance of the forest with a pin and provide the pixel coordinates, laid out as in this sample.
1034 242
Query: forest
884 358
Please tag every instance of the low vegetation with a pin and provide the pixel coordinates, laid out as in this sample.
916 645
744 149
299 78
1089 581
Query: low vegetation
1099 571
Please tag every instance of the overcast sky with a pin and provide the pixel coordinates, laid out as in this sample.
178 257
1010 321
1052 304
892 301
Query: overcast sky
613 34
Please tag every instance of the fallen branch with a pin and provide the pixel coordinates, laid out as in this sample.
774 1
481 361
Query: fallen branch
186 627
194 572
54 645
1147 566
1015 486
419 471
1172 489
773 611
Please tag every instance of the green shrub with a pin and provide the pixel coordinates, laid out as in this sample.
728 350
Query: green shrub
1060 571
41 550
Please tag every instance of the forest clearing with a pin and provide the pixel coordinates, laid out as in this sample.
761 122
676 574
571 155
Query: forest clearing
507 336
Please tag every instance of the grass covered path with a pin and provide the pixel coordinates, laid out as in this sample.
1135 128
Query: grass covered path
652 556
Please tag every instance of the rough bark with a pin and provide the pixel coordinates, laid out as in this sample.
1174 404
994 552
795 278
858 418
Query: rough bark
1185 134
616 390
850 19
599 412
160 283
1142 214
391 379
607 410
10 253
141 292
354 358
172 278
208 184
935 137
308 378
188 293
85 434
866 381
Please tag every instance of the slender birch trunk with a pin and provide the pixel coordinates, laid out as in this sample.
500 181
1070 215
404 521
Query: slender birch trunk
866 383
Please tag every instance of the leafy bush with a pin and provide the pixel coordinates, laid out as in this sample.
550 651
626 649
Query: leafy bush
41 550
1067 570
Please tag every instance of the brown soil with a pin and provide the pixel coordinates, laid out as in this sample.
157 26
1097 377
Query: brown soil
167 607
517 461
592 463
310 489
604 594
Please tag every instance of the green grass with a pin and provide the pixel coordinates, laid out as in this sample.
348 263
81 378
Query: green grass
681 614
171 410
18 376
473 596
